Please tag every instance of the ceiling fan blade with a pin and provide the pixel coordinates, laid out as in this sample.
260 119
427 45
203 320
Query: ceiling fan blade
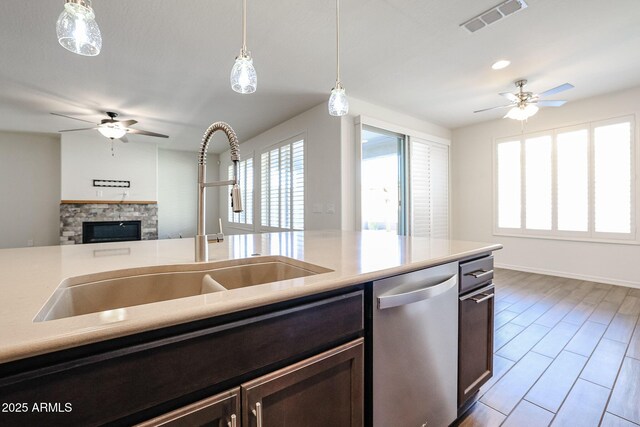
127 123
124 139
144 132
510 96
76 130
549 103
74 118
557 89
493 108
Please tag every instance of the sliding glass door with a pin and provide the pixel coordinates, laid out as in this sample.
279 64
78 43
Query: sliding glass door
380 181
404 184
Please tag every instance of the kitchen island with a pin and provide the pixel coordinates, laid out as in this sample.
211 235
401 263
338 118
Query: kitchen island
293 319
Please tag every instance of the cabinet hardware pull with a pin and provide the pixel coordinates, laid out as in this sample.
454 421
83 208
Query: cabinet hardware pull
258 413
232 422
484 298
479 273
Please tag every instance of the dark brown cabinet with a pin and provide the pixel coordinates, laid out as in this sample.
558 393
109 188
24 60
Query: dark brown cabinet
475 323
324 390
172 373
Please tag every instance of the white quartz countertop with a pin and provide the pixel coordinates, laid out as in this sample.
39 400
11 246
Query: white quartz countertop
29 276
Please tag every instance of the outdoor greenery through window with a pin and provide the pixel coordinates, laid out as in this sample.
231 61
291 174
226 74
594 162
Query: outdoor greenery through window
568 182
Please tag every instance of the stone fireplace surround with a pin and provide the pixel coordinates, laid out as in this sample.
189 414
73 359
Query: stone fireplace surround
74 213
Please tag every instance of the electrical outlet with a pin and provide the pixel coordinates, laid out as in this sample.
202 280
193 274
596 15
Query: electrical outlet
30 242
331 208
99 193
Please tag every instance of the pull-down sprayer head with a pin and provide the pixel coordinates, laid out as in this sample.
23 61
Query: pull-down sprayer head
236 198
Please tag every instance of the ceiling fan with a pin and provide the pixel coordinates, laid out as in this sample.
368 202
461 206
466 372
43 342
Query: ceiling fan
112 128
525 104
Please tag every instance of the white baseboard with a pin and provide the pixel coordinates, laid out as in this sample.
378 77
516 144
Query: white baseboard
597 279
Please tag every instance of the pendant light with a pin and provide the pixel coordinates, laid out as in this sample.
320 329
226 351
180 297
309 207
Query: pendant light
338 102
77 28
243 74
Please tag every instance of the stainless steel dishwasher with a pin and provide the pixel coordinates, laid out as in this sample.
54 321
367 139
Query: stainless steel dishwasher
415 348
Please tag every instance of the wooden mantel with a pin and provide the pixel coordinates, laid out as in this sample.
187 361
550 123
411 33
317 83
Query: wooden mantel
108 202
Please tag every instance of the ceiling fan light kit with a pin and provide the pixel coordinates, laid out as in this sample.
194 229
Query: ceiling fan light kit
522 112
338 102
526 104
112 131
77 29
243 74
112 128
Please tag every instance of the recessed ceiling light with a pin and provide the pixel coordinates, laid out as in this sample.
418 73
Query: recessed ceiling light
499 65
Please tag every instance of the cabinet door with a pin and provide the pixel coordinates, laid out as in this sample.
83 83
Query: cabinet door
221 410
475 359
325 390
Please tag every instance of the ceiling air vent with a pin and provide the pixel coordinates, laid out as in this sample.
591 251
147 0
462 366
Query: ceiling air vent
494 14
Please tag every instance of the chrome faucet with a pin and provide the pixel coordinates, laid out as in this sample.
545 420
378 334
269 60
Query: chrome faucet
202 242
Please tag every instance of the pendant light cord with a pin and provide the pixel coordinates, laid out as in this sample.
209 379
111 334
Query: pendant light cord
337 42
244 27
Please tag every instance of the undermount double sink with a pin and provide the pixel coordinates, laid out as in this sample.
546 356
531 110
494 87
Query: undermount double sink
126 288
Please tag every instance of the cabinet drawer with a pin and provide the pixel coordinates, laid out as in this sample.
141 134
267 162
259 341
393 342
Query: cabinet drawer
476 272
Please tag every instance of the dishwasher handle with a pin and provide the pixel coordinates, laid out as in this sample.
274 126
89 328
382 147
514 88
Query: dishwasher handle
395 300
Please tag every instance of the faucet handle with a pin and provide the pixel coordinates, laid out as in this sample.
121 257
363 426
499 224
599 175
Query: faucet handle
215 238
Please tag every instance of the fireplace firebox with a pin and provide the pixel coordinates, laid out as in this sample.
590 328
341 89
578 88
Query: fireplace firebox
111 231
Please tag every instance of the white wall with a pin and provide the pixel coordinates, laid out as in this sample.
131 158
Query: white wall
30 191
322 173
34 167
363 108
330 160
473 196
177 177
177 193
86 156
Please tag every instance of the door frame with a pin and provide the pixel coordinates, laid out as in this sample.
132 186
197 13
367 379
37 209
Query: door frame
408 133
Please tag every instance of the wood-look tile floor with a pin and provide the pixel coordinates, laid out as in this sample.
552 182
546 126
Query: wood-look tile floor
566 353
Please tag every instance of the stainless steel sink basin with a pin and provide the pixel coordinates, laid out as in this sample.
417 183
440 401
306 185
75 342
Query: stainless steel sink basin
126 288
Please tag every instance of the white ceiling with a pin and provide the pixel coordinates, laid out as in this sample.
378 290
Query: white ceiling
166 63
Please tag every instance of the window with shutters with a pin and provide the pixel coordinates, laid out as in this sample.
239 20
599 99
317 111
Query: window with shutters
246 184
282 186
575 183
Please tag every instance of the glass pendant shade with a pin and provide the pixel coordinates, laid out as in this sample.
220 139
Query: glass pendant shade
522 112
338 102
78 30
243 75
112 131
